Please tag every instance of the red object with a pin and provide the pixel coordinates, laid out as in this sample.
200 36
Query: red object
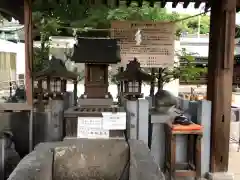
191 127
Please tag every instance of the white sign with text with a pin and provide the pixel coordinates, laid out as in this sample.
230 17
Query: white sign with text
114 121
90 122
92 133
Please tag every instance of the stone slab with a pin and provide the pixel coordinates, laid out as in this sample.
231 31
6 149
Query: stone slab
35 166
85 159
220 176
91 159
142 164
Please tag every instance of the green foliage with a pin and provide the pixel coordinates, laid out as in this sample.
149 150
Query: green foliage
191 25
1 18
49 17
47 26
79 16
237 32
39 60
144 13
187 72
102 16
113 76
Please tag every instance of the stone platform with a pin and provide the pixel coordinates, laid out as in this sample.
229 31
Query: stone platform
84 159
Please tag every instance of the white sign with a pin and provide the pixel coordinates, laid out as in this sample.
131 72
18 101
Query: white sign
114 121
157 42
90 122
92 133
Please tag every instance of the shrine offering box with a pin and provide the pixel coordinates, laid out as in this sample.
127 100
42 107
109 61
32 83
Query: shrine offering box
97 51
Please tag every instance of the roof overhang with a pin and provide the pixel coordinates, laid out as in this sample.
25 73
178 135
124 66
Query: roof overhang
15 8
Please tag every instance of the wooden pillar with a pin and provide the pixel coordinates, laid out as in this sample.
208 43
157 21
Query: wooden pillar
28 49
220 71
75 92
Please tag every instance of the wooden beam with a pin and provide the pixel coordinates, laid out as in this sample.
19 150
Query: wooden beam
238 3
163 3
128 2
140 3
151 3
175 3
207 6
197 4
220 71
28 50
186 3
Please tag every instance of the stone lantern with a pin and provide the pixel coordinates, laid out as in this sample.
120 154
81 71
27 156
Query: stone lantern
52 81
132 79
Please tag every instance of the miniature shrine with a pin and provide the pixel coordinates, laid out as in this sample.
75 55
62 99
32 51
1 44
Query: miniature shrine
220 71
90 118
96 68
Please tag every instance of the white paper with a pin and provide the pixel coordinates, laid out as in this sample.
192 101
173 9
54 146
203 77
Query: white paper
90 122
114 121
92 133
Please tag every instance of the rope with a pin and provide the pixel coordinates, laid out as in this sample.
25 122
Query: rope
110 29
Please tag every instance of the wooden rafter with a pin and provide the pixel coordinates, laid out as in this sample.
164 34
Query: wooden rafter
186 3
197 3
163 3
15 7
175 3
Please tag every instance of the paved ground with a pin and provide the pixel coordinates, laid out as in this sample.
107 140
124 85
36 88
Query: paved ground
234 164
234 155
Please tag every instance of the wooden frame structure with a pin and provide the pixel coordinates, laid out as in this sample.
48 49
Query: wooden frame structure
220 66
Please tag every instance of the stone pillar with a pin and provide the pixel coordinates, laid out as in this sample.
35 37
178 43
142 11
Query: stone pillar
132 129
204 119
158 137
48 125
143 117
2 158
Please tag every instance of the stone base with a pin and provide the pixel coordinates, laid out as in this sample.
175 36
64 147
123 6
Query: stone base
88 159
221 176
95 102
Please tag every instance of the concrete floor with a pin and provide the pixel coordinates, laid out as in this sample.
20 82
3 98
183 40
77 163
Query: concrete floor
234 155
234 164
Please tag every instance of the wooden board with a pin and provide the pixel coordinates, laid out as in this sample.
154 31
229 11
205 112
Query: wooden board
157 42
